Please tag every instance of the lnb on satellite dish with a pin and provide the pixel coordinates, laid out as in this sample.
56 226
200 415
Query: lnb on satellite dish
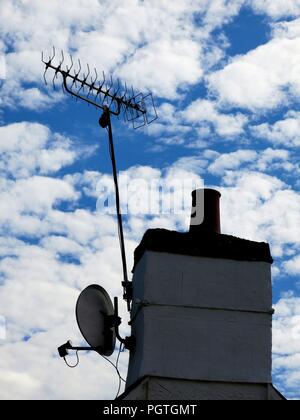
95 318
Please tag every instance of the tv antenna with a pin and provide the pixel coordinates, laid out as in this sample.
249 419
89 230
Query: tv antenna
113 99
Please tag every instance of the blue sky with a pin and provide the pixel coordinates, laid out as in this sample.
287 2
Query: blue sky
226 81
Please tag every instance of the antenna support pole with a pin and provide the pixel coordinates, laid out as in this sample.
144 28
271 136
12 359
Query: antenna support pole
137 108
105 122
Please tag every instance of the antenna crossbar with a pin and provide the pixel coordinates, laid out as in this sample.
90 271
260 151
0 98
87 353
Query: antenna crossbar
137 108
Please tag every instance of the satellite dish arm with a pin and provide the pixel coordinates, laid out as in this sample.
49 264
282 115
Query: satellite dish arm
63 349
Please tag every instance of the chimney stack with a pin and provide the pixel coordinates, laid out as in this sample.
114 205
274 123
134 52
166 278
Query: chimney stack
201 313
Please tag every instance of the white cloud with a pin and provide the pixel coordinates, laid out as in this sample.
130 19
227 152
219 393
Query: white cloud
30 216
143 41
254 206
81 225
193 164
28 148
2 67
266 160
44 193
22 382
49 285
232 161
219 12
284 132
170 128
35 280
62 245
286 344
277 8
158 46
293 266
261 79
67 250
273 159
163 66
40 279
24 77
201 117
286 29
227 125
2 328
31 369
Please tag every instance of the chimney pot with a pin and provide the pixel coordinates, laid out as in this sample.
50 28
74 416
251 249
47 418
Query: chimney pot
205 217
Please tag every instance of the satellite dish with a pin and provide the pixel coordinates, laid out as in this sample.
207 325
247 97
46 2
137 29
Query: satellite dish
94 310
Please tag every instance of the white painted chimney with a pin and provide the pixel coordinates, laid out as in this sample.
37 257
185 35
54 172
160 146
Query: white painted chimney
202 314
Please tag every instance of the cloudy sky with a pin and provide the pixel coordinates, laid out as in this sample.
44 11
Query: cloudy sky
226 78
